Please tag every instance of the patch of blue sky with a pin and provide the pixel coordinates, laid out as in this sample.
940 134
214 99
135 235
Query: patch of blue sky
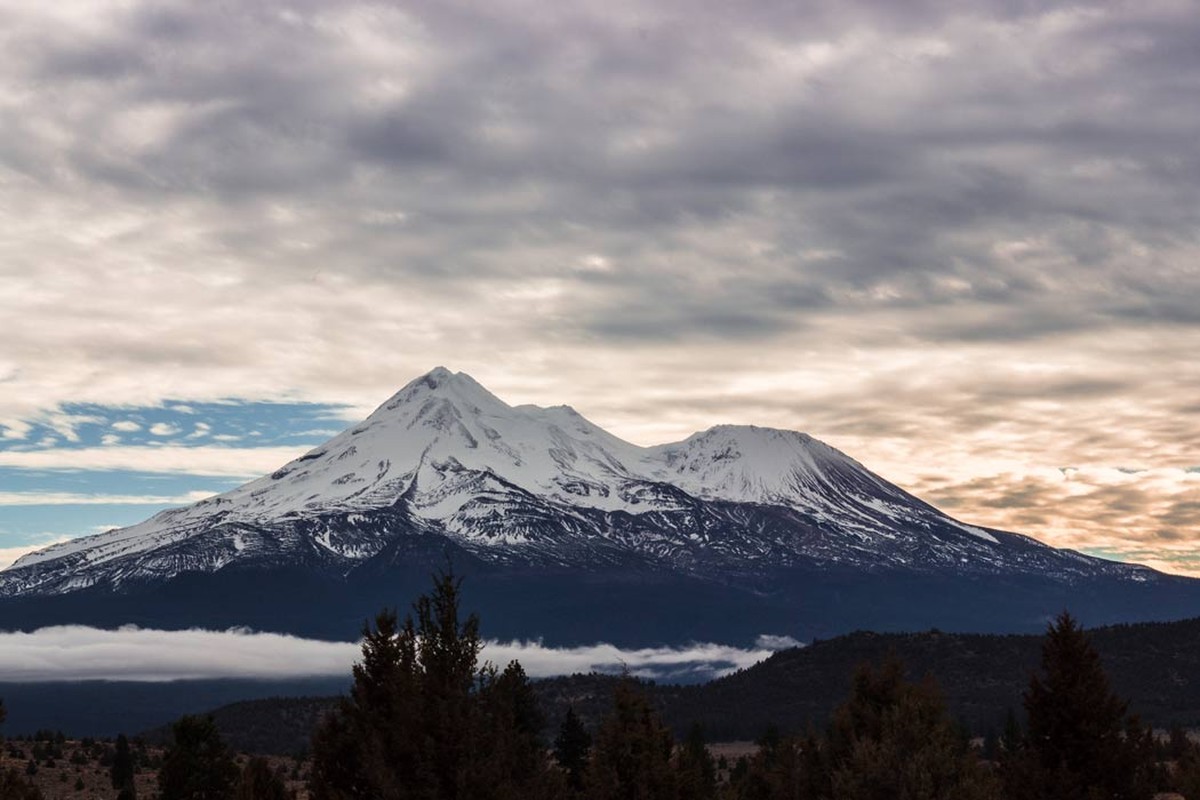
230 423
36 506
1135 555
40 504
24 525
1105 553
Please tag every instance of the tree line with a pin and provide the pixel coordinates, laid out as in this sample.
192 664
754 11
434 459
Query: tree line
425 720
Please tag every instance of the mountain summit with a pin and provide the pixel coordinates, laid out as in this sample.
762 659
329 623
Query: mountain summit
541 506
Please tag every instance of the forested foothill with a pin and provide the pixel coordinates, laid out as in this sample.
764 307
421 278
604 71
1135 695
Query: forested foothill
1156 666
427 718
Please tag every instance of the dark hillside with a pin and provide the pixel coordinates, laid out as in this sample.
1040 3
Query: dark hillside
275 725
1156 666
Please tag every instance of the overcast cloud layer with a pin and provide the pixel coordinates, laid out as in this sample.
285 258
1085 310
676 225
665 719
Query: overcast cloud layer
75 653
957 240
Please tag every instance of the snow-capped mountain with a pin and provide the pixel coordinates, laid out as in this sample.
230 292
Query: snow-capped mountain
444 465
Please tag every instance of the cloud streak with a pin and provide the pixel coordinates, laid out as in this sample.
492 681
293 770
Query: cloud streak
244 462
72 653
73 499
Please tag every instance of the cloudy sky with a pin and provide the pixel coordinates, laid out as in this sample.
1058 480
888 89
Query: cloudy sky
958 240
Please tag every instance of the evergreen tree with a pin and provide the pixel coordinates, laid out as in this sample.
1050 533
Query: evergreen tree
784 767
370 746
1080 742
259 782
1178 744
696 770
197 765
448 653
895 739
15 787
340 753
121 771
631 754
571 748
12 785
509 760
1012 740
424 721
991 746
1186 777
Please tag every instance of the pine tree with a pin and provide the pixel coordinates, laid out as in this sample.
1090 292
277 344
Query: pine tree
631 753
893 738
370 747
784 767
1080 741
12 785
121 771
259 782
423 720
448 653
1178 743
509 759
1012 740
991 745
1186 777
571 748
197 764
696 770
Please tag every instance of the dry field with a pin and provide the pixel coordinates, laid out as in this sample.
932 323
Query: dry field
79 770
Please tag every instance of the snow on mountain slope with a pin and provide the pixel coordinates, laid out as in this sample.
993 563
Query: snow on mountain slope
446 456
438 426
445 421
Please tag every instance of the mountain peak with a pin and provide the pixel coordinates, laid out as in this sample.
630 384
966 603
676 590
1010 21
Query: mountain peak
436 376
751 432
461 389
440 378
535 486
754 442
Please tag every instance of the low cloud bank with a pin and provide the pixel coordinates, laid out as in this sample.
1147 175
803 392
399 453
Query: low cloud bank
74 652
700 660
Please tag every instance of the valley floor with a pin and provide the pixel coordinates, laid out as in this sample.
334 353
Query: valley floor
78 769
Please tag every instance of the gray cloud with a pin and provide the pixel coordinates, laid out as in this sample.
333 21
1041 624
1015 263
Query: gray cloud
907 154
1146 516
934 234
